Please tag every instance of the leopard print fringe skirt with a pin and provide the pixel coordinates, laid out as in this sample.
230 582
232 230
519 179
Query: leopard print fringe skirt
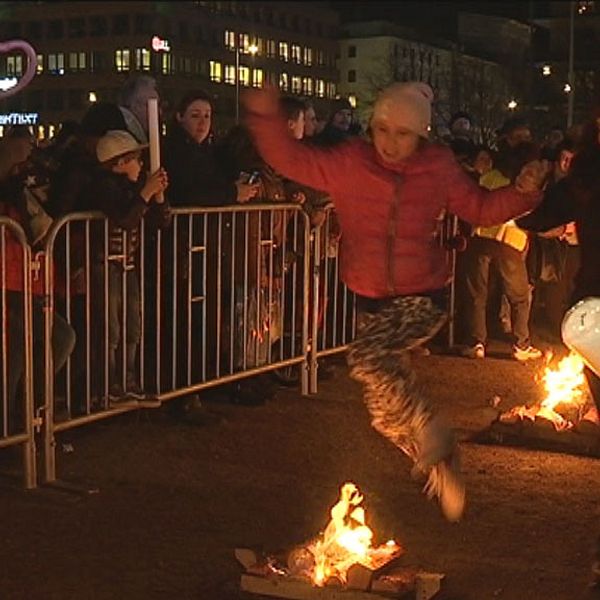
380 359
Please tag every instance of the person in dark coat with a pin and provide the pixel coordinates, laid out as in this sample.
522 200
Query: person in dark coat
576 198
198 178
189 156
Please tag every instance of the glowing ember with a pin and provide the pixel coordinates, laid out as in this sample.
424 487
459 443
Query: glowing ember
567 400
347 541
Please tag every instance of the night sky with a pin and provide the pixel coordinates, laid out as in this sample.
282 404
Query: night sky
438 17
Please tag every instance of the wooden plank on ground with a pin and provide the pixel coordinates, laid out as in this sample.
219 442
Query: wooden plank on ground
427 586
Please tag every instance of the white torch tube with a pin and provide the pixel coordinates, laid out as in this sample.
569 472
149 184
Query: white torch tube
154 138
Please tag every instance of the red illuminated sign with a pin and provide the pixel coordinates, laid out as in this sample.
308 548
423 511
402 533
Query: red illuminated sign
160 45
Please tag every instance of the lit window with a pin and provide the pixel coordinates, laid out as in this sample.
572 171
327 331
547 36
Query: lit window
296 53
331 90
77 61
271 49
244 43
230 40
122 60
260 44
283 51
307 86
308 56
142 59
40 65
320 88
167 63
216 72
296 84
257 77
41 132
245 76
60 64
283 82
14 65
352 100
230 74
320 58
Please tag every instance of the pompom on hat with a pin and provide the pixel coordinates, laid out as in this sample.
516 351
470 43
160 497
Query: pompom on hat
406 104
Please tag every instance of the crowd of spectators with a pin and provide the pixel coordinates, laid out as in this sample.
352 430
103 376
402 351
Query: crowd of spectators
513 278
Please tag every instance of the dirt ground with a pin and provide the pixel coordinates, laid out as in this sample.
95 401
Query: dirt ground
175 500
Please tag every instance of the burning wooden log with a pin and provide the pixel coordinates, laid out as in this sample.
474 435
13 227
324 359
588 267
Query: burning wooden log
406 584
339 563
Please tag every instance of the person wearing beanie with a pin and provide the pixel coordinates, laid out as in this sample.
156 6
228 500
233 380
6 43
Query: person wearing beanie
337 128
390 194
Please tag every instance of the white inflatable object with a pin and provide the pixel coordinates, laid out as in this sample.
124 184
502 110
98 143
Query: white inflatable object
581 331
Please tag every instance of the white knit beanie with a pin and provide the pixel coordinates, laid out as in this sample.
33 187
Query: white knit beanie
406 104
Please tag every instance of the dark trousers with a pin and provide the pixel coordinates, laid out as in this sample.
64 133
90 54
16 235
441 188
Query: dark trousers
63 342
510 263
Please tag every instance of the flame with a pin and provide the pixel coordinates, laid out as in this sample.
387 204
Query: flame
347 540
565 388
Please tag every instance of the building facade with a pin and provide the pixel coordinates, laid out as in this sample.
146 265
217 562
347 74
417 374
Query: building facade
86 50
376 53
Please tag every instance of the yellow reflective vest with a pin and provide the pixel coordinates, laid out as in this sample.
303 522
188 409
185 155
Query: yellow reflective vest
507 233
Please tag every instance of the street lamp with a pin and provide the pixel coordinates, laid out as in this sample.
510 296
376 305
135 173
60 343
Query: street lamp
251 49
571 76
512 104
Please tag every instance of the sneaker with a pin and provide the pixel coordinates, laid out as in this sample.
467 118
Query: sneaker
476 351
524 354
446 483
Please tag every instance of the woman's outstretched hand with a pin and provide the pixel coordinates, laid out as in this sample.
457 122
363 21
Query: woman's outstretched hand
263 101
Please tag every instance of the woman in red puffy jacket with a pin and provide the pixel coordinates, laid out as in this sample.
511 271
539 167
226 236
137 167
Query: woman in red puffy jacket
390 195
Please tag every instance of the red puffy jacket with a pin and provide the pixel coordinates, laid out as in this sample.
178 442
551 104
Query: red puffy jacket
389 214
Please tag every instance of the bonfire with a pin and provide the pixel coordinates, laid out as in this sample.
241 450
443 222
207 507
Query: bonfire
567 402
342 556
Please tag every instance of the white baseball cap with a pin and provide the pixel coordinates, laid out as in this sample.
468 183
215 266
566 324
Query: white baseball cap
116 143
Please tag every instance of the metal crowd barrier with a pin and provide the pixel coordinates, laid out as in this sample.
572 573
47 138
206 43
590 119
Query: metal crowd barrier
219 295
16 347
223 295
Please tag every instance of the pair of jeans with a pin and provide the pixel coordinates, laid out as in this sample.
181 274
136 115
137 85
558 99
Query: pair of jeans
124 316
510 263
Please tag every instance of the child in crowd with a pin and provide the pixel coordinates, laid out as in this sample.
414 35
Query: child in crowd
390 195
117 192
